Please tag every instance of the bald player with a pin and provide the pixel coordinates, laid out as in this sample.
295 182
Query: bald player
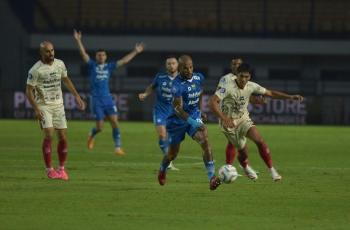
186 118
44 93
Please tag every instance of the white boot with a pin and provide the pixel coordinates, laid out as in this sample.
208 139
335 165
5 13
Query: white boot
274 174
251 174
172 167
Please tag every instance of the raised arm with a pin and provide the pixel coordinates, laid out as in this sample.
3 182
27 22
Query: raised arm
139 47
77 36
280 95
69 84
149 90
29 92
214 105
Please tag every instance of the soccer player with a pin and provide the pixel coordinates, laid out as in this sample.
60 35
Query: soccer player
103 105
233 115
186 118
230 148
162 85
45 95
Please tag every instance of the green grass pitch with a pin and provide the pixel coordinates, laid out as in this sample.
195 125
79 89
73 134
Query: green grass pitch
110 192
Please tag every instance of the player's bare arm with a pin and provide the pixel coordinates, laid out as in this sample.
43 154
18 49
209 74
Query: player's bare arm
214 105
84 55
149 90
280 95
29 92
139 47
177 104
257 100
69 84
180 112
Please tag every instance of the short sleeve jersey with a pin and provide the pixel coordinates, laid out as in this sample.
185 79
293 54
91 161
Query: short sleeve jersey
162 83
99 75
47 81
234 101
190 91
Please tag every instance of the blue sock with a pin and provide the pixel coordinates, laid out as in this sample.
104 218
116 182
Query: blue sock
93 132
116 137
210 169
163 144
164 164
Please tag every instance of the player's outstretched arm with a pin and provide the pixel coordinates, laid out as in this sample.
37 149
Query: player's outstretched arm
30 96
257 100
149 90
69 84
214 105
139 47
77 36
280 95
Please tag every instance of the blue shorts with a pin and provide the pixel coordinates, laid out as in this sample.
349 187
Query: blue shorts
177 130
103 106
159 118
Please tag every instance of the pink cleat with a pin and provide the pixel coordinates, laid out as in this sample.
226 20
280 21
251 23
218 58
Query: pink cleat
62 174
52 174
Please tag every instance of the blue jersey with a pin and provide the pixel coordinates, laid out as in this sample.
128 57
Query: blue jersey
190 91
99 75
162 84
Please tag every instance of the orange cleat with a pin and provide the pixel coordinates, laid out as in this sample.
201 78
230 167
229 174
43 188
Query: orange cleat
90 142
119 151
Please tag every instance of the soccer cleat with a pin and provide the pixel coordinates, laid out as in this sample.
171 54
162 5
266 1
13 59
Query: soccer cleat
119 151
274 174
161 177
214 183
62 174
172 167
52 174
90 142
250 173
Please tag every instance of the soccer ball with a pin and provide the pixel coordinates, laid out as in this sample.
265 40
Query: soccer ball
228 174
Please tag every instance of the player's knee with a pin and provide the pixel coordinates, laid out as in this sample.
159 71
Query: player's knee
162 136
62 137
203 140
48 135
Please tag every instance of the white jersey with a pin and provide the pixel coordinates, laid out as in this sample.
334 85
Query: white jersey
234 101
47 82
